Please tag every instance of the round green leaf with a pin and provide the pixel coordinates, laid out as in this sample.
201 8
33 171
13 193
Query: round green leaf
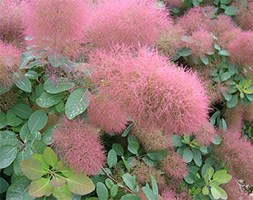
47 100
221 176
40 188
205 190
133 147
55 87
231 10
80 184
77 102
8 138
187 155
18 190
37 121
7 155
22 82
114 190
102 191
62 193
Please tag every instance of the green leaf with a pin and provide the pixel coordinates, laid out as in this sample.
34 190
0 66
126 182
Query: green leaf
128 129
80 184
7 155
209 174
26 58
3 185
205 190
114 190
40 188
204 59
249 97
56 60
4 88
47 137
8 138
57 181
233 102
130 197
118 149
37 121
47 100
24 132
22 82
18 190
109 183
32 169
112 158
217 140
197 157
133 147
185 52
203 149
22 110
129 181
187 155
102 191
55 87
225 76
62 193
231 10
223 52
190 178
154 185
77 102
221 176
149 193
157 155
216 194
50 157
2 120
177 140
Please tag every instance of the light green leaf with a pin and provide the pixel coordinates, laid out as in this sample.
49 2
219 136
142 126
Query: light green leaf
62 193
225 76
149 193
77 102
216 194
231 10
50 157
57 181
22 110
114 190
177 140
205 190
130 197
7 155
47 100
204 59
22 82
58 86
32 169
80 184
40 188
209 174
233 102
221 176
37 121
18 190
112 158
223 52
102 191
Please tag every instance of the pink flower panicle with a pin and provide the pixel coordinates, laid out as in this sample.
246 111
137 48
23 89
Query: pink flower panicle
11 20
129 22
153 90
196 18
174 166
9 59
79 146
241 49
201 43
245 17
56 25
234 150
107 114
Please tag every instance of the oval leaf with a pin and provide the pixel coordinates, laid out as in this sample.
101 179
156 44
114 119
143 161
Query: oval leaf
7 155
40 188
47 100
22 82
37 121
58 86
78 101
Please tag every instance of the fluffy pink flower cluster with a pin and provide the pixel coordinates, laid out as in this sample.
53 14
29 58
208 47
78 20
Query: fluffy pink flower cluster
152 89
131 22
9 59
241 49
11 20
78 144
238 155
245 17
57 25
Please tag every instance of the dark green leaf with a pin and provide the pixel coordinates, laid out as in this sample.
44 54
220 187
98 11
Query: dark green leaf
7 155
102 191
157 155
112 158
22 110
187 155
3 185
37 121
118 149
55 87
47 100
133 147
22 82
